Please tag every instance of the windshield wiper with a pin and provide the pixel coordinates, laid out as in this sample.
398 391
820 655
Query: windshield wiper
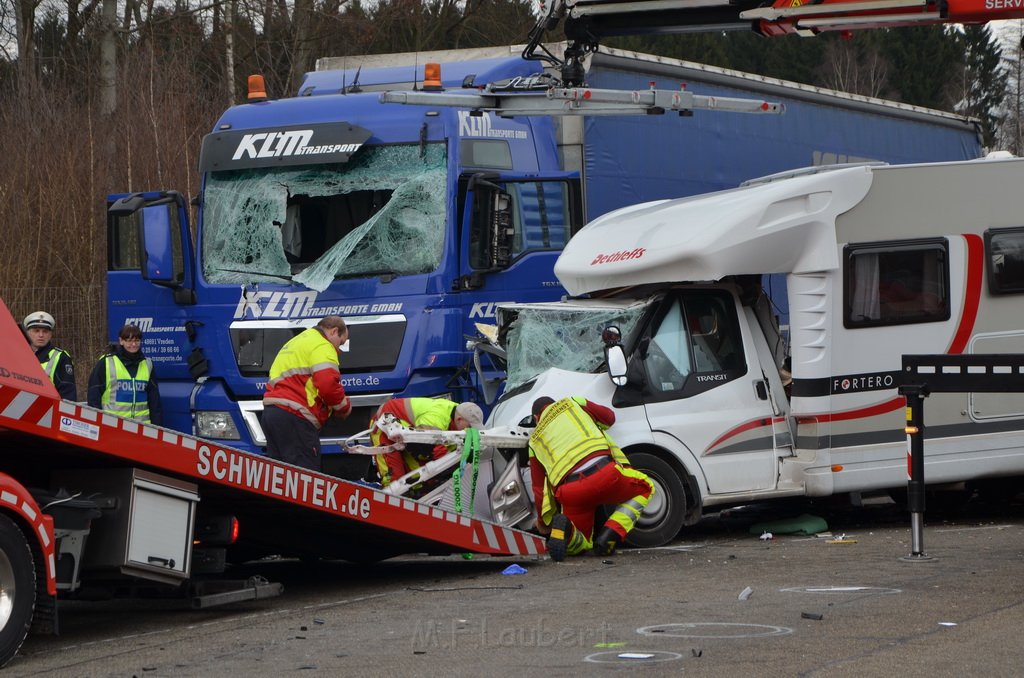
269 275
386 276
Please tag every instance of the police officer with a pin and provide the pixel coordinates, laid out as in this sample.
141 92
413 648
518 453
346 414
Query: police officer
304 391
575 465
123 383
56 362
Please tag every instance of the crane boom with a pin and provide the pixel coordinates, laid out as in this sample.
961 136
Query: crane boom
582 101
587 22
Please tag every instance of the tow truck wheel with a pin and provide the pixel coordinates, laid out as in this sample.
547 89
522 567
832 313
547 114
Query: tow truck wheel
663 518
17 589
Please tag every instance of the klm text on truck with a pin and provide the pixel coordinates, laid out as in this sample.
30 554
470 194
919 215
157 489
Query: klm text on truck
410 223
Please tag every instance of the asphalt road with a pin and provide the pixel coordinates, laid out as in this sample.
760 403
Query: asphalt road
814 608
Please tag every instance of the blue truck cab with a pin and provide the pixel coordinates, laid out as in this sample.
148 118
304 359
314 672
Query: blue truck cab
410 222
414 222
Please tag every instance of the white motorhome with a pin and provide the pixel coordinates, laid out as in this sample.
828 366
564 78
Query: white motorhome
878 261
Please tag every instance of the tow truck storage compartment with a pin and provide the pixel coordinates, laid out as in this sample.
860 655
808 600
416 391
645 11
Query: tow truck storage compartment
147 525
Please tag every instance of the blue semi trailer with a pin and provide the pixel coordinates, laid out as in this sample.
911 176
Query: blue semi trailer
413 222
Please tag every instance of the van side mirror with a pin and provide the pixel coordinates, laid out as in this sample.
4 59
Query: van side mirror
614 355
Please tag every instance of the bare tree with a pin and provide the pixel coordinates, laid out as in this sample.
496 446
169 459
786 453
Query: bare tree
25 23
108 58
229 49
302 48
855 67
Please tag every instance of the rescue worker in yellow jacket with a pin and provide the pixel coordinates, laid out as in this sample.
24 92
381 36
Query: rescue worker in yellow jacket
575 465
421 413
304 391
123 383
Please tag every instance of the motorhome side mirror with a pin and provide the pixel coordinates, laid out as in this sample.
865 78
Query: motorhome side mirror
615 358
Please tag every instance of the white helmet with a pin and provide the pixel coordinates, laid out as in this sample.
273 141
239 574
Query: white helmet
39 319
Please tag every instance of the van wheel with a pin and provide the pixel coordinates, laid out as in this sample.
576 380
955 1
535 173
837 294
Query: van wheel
17 589
663 518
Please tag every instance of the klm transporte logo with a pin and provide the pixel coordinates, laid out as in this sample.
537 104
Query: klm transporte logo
483 126
260 304
289 143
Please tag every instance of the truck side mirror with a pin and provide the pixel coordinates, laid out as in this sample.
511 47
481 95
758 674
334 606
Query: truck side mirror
127 206
502 230
156 238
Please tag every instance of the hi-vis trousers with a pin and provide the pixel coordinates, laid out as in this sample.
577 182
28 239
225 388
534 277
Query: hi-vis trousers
628 489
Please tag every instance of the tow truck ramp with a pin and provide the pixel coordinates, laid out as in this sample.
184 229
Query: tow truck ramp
277 497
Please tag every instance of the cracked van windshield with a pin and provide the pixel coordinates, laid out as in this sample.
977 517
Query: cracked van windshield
383 212
567 338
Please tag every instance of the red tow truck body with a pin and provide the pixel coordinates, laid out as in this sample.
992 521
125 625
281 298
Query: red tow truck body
155 503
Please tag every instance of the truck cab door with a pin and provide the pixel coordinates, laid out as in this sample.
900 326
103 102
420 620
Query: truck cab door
696 369
512 229
151 275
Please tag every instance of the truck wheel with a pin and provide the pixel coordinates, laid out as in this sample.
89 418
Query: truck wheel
663 518
17 589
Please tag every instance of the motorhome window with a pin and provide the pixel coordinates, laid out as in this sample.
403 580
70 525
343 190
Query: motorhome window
485 154
541 219
567 338
896 283
714 334
381 213
697 333
668 360
1004 254
124 242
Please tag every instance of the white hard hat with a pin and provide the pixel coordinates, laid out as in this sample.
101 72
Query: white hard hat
39 319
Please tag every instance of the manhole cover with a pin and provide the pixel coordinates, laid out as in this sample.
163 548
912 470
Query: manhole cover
842 589
714 630
633 657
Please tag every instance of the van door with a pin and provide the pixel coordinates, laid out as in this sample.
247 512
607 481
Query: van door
704 385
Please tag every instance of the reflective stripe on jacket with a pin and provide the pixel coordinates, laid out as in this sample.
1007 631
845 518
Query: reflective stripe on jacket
565 435
52 359
305 379
126 395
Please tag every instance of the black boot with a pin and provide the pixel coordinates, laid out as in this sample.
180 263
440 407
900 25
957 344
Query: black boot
561 534
605 542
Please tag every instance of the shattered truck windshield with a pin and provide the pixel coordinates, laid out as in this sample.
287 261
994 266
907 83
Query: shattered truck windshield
567 337
381 213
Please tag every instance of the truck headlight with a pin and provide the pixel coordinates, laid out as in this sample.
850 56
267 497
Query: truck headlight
213 424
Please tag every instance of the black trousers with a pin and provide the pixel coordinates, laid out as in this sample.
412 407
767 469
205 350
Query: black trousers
291 439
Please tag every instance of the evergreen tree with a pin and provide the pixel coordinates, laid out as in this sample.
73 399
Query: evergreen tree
984 80
926 61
